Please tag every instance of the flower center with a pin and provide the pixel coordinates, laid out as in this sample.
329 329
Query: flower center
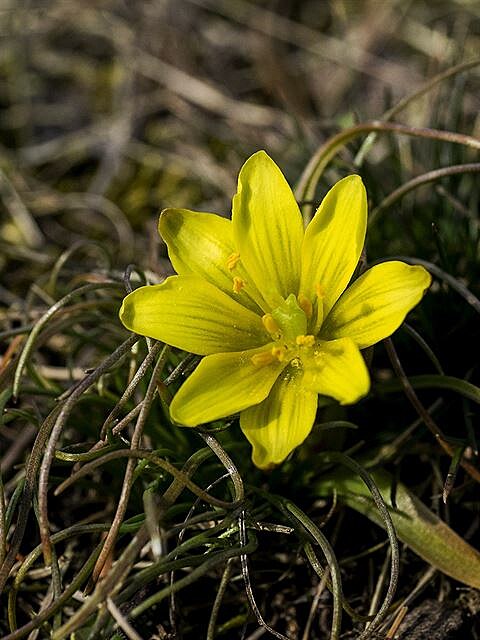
287 326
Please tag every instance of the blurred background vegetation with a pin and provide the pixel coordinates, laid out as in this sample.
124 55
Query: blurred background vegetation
112 110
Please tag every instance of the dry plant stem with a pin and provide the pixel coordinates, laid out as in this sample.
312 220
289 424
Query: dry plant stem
73 587
305 191
207 565
22 571
379 587
148 455
170 562
407 101
127 483
25 504
124 422
316 600
55 589
423 581
335 457
71 532
247 582
44 320
188 518
3 530
239 494
422 412
225 575
227 572
122 622
118 428
113 581
418 181
402 612
323 574
332 561
55 435
140 373
227 462
180 369
106 587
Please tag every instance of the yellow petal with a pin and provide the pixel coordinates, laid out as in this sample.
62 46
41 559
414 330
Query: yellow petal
190 313
337 369
333 243
267 228
377 303
202 244
223 384
282 421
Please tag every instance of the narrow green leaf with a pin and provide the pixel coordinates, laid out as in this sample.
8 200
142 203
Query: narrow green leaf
434 381
416 526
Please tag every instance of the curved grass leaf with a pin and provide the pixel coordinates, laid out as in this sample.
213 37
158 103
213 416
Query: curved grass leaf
416 526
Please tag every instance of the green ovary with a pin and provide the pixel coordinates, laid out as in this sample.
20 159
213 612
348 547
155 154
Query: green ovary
287 325
291 319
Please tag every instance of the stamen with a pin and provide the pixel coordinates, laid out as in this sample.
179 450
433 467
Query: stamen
305 341
320 290
270 324
305 305
262 359
232 261
279 353
238 284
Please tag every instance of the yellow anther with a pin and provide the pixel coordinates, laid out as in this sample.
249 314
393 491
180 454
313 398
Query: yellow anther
305 305
262 359
232 261
320 290
305 341
279 353
238 284
270 324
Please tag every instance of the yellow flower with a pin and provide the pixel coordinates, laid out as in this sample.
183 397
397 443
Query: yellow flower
266 303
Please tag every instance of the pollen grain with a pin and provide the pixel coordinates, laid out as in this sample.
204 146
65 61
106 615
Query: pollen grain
305 341
305 305
238 284
270 324
320 290
232 261
262 359
279 353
